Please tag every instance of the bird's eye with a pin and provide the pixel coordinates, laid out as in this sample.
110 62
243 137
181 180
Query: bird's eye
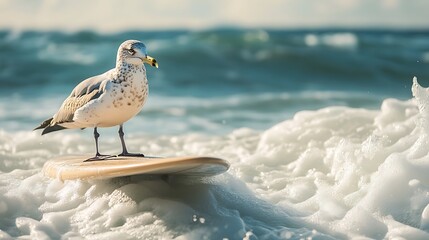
131 51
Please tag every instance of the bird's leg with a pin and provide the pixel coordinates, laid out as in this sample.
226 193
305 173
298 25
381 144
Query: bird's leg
97 156
96 136
124 147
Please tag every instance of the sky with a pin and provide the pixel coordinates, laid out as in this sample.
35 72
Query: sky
120 15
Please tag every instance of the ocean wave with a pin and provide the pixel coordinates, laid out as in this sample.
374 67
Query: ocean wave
229 62
336 172
182 114
66 53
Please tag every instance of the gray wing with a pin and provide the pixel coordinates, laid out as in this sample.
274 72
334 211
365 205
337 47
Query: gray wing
87 90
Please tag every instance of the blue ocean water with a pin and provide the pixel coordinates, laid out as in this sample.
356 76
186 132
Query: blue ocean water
215 80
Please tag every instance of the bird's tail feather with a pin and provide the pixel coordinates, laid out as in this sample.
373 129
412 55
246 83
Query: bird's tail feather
44 124
47 128
53 128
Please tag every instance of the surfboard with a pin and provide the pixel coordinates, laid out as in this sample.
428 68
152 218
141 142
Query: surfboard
75 167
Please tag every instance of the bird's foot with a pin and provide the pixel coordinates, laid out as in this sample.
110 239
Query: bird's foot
99 157
127 154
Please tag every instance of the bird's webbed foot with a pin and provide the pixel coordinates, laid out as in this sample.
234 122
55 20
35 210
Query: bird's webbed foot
99 157
127 154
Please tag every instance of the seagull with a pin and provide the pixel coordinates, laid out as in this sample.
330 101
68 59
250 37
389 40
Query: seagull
109 99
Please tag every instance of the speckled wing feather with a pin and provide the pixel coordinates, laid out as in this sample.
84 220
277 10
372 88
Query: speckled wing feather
89 89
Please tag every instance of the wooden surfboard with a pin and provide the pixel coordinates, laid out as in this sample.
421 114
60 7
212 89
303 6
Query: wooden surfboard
75 167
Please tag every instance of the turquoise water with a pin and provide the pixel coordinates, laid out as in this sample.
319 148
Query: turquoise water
215 81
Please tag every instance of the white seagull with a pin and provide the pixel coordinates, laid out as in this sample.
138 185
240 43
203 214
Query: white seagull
109 99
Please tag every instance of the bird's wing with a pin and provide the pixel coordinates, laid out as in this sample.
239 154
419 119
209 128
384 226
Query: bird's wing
89 89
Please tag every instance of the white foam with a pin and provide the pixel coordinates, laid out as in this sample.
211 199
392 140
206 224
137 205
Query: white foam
338 172
344 40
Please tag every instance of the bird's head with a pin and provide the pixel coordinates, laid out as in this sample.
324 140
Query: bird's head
134 52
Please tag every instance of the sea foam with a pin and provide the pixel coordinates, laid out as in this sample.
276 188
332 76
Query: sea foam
334 173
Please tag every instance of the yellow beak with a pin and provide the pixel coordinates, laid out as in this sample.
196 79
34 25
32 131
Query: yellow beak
151 61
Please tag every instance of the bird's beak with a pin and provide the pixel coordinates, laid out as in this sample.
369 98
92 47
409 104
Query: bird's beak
151 61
